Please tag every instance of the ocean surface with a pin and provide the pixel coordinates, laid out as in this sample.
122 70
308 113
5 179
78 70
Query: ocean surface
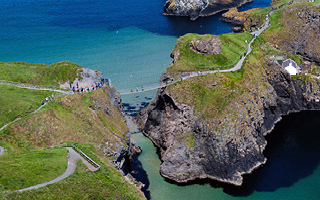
131 42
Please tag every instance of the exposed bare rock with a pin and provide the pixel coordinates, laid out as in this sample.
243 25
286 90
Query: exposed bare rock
235 17
223 149
88 77
196 8
206 47
237 29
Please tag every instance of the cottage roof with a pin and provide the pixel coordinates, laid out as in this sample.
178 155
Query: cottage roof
289 62
292 71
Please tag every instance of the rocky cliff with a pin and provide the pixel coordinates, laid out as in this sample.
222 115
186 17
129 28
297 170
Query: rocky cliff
235 17
298 30
224 148
196 8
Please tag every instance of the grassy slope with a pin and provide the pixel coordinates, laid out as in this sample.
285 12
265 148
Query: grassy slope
39 74
67 118
86 118
107 183
232 46
19 171
18 102
279 34
216 96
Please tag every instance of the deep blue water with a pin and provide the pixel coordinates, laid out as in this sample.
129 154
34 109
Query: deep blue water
131 42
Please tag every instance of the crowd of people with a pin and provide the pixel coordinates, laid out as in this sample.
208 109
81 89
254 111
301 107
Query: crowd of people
76 88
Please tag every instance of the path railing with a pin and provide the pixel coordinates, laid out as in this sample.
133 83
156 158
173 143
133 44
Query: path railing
83 155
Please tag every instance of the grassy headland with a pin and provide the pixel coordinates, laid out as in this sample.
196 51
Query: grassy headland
19 171
107 183
215 96
18 102
39 74
232 46
86 117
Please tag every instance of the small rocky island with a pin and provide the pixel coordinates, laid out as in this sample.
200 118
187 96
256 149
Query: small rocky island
214 126
199 8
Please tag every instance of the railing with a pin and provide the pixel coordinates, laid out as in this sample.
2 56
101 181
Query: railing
79 151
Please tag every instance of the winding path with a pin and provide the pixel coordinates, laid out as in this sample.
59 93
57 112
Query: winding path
73 155
1 150
22 85
72 163
20 118
194 74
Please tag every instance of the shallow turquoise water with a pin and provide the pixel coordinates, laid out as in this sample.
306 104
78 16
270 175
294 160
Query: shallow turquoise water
131 42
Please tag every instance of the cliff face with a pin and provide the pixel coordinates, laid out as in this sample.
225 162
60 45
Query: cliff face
224 148
196 8
235 17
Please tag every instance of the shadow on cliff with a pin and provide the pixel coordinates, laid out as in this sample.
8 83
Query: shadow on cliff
293 153
140 175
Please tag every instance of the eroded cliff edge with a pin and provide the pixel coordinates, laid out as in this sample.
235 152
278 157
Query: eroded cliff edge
202 8
214 126
223 149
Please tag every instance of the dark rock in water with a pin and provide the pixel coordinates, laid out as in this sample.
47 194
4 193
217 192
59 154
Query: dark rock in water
237 29
136 149
206 47
215 153
196 8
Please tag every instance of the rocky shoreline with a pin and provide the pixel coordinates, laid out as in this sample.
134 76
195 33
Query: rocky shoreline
199 8
215 154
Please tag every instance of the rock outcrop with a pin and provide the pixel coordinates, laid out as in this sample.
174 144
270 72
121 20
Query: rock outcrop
196 8
206 47
223 149
235 17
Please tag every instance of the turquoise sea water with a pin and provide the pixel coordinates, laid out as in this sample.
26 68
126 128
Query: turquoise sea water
131 42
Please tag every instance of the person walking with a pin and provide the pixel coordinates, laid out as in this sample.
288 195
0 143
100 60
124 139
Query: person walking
137 89
42 102
70 86
77 85
142 88
131 90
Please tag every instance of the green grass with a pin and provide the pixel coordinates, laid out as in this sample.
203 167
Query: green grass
190 139
18 102
39 74
232 46
18 171
210 94
216 96
107 183
67 118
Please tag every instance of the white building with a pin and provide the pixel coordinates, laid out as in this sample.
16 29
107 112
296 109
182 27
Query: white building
291 67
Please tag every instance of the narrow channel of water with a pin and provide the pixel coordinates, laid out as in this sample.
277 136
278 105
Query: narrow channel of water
291 172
